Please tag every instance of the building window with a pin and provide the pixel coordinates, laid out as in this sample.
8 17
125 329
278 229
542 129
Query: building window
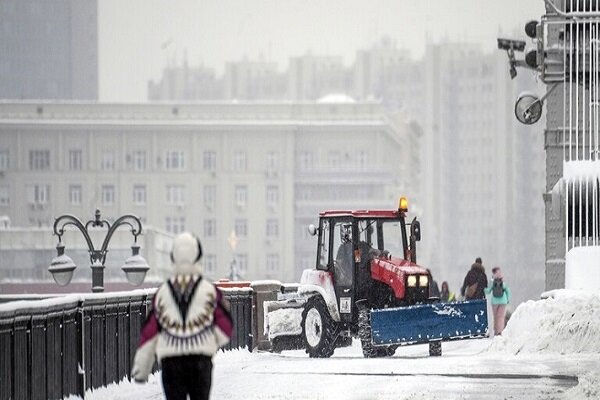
75 163
239 161
75 195
272 264
210 196
4 196
306 161
209 264
241 228
175 225
272 196
4 160
38 194
39 159
175 161
241 195
209 162
175 195
272 161
107 196
139 160
272 228
139 195
210 228
107 161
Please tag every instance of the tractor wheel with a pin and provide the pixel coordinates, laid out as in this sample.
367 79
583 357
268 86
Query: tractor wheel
343 341
319 330
435 348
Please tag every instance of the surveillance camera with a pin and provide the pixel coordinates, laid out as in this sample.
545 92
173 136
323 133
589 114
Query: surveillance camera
528 108
509 44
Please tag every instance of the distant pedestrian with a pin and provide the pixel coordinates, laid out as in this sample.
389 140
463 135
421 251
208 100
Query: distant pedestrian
188 322
434 289
475 282
446 296
500 299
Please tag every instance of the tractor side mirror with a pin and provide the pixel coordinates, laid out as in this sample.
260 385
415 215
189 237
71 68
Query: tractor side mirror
415 229
312 230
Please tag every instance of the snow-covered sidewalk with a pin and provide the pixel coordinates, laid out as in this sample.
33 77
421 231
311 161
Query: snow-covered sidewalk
532 360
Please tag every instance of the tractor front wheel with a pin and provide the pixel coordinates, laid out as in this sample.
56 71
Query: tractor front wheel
364 333
319 330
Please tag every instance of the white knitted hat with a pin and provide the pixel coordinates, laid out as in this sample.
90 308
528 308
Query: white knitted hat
186 254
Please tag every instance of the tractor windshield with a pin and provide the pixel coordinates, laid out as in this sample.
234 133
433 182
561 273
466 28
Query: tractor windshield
383 234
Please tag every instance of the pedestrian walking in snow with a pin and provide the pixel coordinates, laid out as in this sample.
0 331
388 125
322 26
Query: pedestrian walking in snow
434 289
446 295
500 298
188 322
475 282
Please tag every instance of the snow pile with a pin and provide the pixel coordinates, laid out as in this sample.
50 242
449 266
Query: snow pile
566 322
582 268
581 170
588 387
285 321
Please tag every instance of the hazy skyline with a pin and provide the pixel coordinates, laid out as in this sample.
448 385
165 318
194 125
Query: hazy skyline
138 38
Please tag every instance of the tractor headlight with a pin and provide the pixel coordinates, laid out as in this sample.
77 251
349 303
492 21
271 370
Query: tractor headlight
423 281
412 281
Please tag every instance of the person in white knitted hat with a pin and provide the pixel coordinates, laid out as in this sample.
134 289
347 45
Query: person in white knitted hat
188 322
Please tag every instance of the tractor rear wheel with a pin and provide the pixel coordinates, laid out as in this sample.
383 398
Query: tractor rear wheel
319 330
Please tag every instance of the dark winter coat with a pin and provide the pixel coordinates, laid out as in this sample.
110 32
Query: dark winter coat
434 290
475 274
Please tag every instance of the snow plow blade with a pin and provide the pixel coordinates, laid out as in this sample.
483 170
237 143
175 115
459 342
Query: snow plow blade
429 322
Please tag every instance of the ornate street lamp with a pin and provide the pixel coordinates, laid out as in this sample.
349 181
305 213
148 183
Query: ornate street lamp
62 266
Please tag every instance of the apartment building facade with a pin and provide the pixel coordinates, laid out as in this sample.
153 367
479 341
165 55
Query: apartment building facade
259 172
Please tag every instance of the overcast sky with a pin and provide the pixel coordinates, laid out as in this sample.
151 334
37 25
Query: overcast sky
137 38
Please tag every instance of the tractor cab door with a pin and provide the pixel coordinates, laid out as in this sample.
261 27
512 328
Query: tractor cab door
341 263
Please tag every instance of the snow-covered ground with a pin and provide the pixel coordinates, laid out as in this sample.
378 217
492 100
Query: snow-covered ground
549 350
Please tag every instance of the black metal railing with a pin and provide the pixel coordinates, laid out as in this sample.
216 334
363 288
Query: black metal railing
53 348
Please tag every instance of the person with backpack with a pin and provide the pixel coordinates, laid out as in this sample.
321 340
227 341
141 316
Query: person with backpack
500 298
475 282
446 296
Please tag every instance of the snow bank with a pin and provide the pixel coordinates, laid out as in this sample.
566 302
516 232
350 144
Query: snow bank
588 387
581 170
582 268
566 322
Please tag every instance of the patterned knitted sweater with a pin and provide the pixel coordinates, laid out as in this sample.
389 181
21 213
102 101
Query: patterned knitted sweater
189 315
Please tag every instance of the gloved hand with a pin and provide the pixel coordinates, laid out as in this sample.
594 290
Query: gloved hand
138 376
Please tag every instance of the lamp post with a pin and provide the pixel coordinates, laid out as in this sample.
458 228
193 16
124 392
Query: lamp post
62 266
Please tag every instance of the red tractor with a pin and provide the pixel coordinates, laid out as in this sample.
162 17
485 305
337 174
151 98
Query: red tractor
367 285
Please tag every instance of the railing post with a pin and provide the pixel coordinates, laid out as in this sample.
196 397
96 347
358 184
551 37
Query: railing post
263 291
54 339
21 354
39 373
6 337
